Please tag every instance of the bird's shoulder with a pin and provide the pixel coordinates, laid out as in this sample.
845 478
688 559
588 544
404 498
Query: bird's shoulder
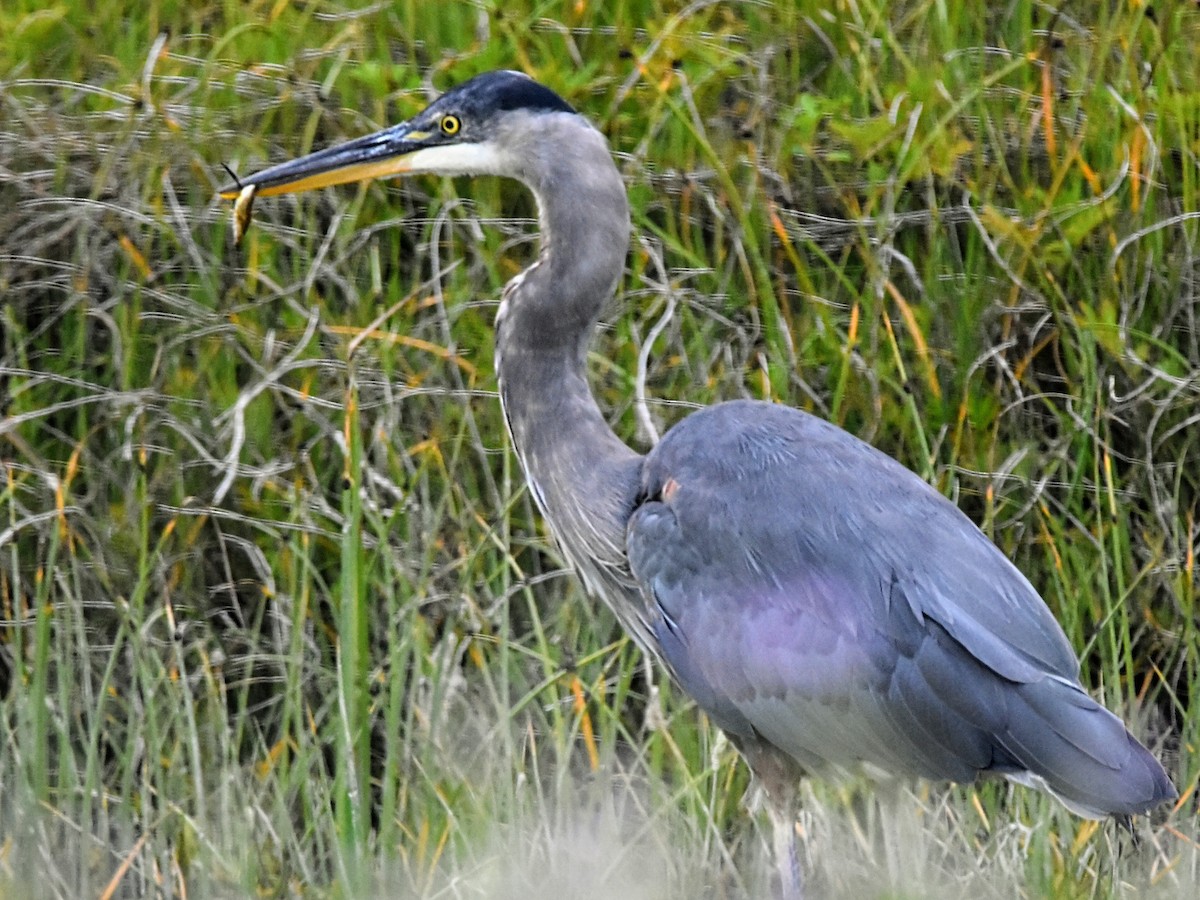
784 477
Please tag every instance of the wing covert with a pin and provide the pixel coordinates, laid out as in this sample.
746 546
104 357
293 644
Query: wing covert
807 588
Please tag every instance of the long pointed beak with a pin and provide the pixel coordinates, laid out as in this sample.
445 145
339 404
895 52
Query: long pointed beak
377 155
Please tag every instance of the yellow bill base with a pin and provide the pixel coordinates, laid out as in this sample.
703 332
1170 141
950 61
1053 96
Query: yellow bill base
353 172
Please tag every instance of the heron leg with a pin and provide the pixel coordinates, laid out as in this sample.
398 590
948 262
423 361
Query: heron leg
783 825
779 775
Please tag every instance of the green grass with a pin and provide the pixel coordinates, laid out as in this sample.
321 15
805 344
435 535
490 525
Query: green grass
277 616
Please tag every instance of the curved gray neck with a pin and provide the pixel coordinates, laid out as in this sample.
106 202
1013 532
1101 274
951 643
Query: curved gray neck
583 477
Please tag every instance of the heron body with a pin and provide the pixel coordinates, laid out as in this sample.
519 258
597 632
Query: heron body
825 606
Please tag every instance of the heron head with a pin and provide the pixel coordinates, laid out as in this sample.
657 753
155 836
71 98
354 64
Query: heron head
460 133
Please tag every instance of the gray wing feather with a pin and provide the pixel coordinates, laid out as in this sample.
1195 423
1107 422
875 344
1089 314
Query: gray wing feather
810 591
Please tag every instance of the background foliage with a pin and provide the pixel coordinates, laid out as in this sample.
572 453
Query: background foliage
276 614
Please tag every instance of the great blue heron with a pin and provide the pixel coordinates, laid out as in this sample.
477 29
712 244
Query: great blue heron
824 605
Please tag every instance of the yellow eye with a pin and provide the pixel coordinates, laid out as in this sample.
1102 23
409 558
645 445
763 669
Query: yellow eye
450 125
